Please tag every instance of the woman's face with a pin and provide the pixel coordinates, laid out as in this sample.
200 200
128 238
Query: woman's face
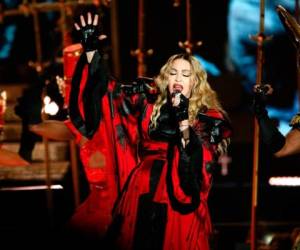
180 77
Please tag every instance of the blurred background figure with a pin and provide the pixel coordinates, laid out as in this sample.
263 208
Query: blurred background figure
279 68
7 157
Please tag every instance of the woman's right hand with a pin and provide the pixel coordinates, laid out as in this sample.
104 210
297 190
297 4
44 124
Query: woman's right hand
180 105
89 32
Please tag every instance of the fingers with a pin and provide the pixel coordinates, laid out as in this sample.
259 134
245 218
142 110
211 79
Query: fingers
265 89
269 89
102 37
82 21
90 21
77 27
89 18
96 19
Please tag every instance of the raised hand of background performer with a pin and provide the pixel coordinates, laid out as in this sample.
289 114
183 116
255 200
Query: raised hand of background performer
261 91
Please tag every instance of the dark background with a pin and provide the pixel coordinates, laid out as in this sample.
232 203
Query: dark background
230 199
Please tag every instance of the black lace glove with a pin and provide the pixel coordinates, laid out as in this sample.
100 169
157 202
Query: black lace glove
270 134
182 110
259 100
142 85
165 129
210 129
89 34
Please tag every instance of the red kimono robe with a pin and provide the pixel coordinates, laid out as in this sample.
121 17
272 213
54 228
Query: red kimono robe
163 203
107 153
154 211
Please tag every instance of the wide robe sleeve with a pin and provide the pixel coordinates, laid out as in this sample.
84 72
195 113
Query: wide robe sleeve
189 178
97 118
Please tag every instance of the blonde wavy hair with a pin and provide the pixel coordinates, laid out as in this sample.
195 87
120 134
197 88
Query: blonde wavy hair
202 97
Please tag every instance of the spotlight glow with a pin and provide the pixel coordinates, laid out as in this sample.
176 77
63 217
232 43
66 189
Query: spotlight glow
287 181
50 108
38 187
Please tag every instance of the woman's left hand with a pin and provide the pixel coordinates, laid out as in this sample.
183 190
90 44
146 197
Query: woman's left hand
89 31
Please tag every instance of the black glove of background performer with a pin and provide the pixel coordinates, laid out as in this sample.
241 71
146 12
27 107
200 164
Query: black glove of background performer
259 106
269 132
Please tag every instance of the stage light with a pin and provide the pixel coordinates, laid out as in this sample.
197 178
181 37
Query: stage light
286 181
38 187
3 98
50 107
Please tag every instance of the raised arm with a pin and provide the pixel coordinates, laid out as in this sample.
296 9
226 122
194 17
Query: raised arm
90 34
269 133
90 79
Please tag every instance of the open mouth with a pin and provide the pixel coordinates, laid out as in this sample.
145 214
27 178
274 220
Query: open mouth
177 88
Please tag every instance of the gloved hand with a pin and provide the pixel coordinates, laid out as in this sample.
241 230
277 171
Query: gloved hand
140 85
182 109
259 100
89 32
269 133
209 129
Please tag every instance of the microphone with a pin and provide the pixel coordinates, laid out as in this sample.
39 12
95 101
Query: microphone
175 92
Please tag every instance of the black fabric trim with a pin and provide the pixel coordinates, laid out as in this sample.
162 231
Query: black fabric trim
166 128
124 189
270 134
111 104
155 174
151 216
114 228
150 224
74 112
183 208
94 90
190 166
214 128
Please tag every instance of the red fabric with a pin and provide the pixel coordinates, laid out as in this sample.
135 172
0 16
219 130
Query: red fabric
110 156
71 55
182 232
92 217
107 160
